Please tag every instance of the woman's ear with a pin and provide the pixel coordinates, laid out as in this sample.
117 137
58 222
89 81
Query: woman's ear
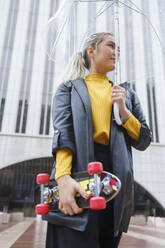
90 52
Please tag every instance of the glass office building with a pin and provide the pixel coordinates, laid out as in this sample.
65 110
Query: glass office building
28 82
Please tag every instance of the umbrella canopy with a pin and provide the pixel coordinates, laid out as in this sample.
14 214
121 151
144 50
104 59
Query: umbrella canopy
68 29
137 37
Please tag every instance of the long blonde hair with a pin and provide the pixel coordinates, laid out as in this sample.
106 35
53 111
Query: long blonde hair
79 62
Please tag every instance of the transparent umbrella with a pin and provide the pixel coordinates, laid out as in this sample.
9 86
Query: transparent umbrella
141 49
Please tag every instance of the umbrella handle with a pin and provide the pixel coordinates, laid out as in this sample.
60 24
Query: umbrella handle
116 114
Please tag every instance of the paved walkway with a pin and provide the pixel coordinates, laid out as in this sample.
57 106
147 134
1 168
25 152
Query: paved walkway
31 232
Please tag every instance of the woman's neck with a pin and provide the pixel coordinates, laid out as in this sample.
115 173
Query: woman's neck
97 71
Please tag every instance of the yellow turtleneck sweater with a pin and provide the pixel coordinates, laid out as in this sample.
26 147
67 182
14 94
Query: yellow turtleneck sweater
99 90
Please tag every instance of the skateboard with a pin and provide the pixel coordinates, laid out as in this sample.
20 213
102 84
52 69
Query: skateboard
100 186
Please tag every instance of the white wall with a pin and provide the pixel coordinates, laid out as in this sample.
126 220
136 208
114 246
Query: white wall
18 148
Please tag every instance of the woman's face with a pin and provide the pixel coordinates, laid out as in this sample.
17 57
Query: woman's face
103 58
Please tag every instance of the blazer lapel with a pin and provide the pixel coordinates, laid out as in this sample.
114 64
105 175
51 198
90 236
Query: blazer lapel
82 90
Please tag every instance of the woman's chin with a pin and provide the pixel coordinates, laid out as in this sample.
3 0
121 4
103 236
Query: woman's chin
111 68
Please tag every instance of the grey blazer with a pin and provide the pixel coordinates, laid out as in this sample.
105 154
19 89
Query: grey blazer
72 121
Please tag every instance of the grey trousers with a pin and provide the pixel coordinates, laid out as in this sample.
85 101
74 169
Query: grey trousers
98 234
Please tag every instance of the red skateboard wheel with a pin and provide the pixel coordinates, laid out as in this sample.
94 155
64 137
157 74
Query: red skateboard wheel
43 178
42 209
95 168
97 203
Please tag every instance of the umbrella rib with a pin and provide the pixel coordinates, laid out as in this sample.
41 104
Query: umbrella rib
93 1
100 11
107 7
135 5
58 35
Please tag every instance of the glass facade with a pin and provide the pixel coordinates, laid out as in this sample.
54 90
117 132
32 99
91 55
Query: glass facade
161 10
6 56
26 78
150 80
128 20
48 80
27 72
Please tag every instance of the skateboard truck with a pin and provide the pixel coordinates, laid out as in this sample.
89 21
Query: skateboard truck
96 202
106 185
50 193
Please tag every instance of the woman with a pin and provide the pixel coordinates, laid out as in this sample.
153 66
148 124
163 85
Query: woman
85 131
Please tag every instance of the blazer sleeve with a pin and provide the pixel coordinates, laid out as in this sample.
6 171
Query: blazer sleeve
145 134
62 120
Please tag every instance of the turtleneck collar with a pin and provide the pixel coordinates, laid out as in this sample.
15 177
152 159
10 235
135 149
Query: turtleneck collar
96 76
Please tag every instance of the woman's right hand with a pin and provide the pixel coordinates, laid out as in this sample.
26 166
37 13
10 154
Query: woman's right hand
68 187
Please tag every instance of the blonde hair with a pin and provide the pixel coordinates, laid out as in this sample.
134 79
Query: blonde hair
79 62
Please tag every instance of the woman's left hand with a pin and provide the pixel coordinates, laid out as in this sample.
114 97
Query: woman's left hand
118 94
